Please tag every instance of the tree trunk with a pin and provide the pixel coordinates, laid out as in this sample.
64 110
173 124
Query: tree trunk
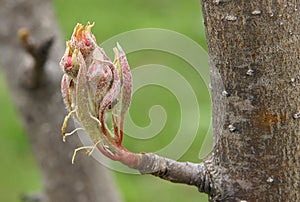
41 108
255 77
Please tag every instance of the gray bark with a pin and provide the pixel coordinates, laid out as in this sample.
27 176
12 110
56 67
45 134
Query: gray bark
255 83
41 108
254 60
255 78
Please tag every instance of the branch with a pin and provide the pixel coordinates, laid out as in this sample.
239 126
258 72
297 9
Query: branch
170 170
39 53
93 86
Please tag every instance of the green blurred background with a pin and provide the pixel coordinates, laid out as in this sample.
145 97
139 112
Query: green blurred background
18 171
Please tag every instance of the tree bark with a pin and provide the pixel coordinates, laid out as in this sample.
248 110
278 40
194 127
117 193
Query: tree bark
255 84
255 77
40 104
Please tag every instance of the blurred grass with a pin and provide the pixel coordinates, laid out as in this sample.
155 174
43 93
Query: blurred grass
113 17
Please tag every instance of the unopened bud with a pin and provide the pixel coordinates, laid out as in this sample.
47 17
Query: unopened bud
93 86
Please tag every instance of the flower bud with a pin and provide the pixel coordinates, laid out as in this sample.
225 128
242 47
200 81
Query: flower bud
83 39
99 77
93 86
69 61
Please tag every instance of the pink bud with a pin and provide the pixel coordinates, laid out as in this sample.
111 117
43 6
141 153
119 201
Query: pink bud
83 39
92 86
99 77
69 61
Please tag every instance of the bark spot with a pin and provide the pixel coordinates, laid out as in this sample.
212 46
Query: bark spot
297 115
293 81
264 119
225 93
231 128
250 72
231 18
270 180
217 2
256 12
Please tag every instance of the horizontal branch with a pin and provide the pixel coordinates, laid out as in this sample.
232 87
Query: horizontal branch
168 169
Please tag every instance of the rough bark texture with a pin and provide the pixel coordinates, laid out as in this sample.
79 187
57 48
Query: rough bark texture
255 78
42 110
255 72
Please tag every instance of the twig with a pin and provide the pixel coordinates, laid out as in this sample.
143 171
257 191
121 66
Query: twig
39 53
171 170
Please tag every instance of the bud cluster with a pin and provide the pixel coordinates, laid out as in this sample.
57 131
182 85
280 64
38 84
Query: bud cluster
92 87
